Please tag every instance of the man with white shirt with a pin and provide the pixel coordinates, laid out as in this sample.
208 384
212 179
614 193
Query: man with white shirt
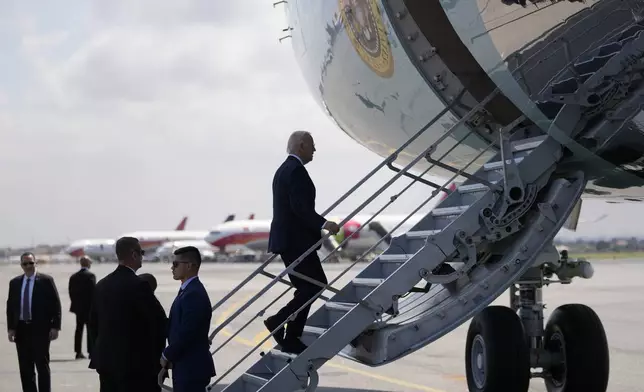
124 323
188 351
33 321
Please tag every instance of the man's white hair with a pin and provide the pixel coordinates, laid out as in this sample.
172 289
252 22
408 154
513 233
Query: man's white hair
295 139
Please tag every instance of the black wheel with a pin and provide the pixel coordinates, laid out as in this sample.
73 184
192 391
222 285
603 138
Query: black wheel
497 357
576 334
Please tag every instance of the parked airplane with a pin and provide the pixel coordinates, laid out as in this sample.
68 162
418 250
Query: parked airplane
250 233
104 247
253 233
164 253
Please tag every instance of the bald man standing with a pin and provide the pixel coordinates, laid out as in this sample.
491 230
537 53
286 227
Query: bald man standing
296 227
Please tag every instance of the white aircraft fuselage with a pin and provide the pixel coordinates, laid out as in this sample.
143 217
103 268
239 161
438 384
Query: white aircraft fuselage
361 67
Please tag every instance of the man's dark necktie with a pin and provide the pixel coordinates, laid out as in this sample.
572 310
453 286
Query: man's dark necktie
26 311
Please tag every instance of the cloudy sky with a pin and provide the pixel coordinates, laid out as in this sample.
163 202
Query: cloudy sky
127 115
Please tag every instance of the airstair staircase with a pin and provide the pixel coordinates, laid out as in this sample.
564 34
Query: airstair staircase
453 263
378 318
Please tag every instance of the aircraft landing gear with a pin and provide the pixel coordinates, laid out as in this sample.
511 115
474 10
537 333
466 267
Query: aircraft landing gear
505 343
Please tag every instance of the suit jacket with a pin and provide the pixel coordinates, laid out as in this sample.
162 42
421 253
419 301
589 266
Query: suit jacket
81 290
189 324
295 226
125 323
45 303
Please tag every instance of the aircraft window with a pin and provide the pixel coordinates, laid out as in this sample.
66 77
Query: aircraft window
215 232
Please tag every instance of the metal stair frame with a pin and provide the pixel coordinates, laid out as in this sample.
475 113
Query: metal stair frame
358 317
369 200
278 278
491 275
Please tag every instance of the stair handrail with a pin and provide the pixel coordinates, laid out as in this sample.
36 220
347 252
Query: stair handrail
310 301
391 157
404 170
297 261
398 175
363 255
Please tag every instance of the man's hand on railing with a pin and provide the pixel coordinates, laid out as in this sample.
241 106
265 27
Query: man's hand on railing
332 227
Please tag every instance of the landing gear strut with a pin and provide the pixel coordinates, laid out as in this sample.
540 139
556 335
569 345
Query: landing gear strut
504 344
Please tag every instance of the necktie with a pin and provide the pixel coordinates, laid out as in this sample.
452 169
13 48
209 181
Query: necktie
26 312
180 291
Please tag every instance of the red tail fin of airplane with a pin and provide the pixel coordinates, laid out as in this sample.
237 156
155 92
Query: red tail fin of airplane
251 217
182 224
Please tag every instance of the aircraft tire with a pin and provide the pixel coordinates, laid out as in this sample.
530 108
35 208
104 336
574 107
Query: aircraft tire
576 331
497 357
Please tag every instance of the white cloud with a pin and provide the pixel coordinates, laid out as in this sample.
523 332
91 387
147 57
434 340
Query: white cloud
127 115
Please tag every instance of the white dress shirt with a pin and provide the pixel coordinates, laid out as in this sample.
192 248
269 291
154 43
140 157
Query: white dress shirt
184 284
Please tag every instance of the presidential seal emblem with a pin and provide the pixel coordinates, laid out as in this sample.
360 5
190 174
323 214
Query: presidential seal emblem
366 30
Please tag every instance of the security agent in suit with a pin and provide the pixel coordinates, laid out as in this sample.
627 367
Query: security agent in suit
188 351
33 321
124 322
295 228
81 290
153 384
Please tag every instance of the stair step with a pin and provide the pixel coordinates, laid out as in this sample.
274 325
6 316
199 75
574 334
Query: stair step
613 47
421 233
498 165
364 286
389 263
368 282
311 334
594 64
280 357
527 144
336 310
342 306
254 380
630 32
449 211
472 188
395 258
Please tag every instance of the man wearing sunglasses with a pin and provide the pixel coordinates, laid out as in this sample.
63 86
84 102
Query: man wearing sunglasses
33 321
188 351
125 324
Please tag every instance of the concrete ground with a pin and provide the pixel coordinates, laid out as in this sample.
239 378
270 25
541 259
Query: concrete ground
615 293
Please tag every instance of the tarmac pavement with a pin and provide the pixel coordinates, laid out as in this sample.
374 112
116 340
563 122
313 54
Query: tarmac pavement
615 293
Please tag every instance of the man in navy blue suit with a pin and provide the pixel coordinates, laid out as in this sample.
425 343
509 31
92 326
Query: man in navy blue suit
188 351
295 228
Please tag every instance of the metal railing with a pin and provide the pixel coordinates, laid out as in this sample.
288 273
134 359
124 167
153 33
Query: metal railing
425 154
290 269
